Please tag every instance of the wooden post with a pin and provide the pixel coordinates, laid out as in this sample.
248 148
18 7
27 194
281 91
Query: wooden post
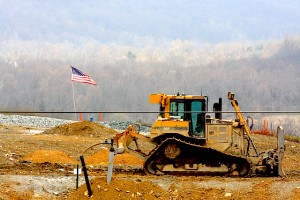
100 117
80 117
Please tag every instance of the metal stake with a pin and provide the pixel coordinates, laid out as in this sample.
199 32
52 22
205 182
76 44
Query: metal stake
280 149
90 192
110 161
77 176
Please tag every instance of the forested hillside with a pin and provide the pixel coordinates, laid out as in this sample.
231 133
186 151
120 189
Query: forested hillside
37 77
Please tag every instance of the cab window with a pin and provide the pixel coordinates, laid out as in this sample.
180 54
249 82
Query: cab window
177 109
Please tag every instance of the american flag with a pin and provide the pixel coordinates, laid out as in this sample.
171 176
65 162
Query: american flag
79 76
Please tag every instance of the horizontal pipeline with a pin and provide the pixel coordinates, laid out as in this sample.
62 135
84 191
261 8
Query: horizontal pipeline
37 112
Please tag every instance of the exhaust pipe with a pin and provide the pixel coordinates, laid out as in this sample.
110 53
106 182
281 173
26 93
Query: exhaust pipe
217 107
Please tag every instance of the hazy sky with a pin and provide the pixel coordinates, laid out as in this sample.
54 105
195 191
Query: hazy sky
148 22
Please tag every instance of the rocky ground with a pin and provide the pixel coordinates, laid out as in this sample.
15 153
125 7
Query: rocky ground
38 162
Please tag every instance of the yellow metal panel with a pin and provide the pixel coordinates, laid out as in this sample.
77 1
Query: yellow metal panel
174 126
219 136
155 98
218 133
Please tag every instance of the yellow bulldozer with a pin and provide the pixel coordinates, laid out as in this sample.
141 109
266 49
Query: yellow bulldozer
188 141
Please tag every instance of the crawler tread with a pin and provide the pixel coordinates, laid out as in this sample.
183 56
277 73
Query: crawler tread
195 153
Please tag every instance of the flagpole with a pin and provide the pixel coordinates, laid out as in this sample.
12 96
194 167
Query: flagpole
74 99
74 102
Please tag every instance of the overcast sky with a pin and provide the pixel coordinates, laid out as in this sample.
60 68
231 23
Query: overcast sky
141 22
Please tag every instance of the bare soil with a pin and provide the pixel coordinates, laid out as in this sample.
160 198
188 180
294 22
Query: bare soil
39 164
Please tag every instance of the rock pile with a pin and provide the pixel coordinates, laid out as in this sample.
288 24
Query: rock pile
36 121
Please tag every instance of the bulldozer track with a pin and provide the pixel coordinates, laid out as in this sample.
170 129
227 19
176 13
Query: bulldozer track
158 159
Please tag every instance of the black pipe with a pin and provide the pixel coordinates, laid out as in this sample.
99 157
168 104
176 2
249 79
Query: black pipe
77 176
146 112
90 192
220 107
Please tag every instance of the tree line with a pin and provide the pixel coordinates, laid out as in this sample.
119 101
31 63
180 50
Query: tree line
37 76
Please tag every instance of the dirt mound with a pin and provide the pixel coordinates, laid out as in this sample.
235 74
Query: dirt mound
49 156
84 128
100 157
124 159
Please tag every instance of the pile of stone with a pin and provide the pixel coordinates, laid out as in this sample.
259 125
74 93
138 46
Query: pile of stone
36 121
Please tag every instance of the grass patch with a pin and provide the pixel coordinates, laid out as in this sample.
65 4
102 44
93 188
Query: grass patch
292 138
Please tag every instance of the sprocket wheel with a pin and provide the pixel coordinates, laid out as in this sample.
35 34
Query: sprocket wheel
172 151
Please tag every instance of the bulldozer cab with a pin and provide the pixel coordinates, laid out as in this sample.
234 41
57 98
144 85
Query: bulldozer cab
183 114
190 110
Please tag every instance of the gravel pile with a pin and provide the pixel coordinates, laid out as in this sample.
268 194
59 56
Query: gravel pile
36 121
120 125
